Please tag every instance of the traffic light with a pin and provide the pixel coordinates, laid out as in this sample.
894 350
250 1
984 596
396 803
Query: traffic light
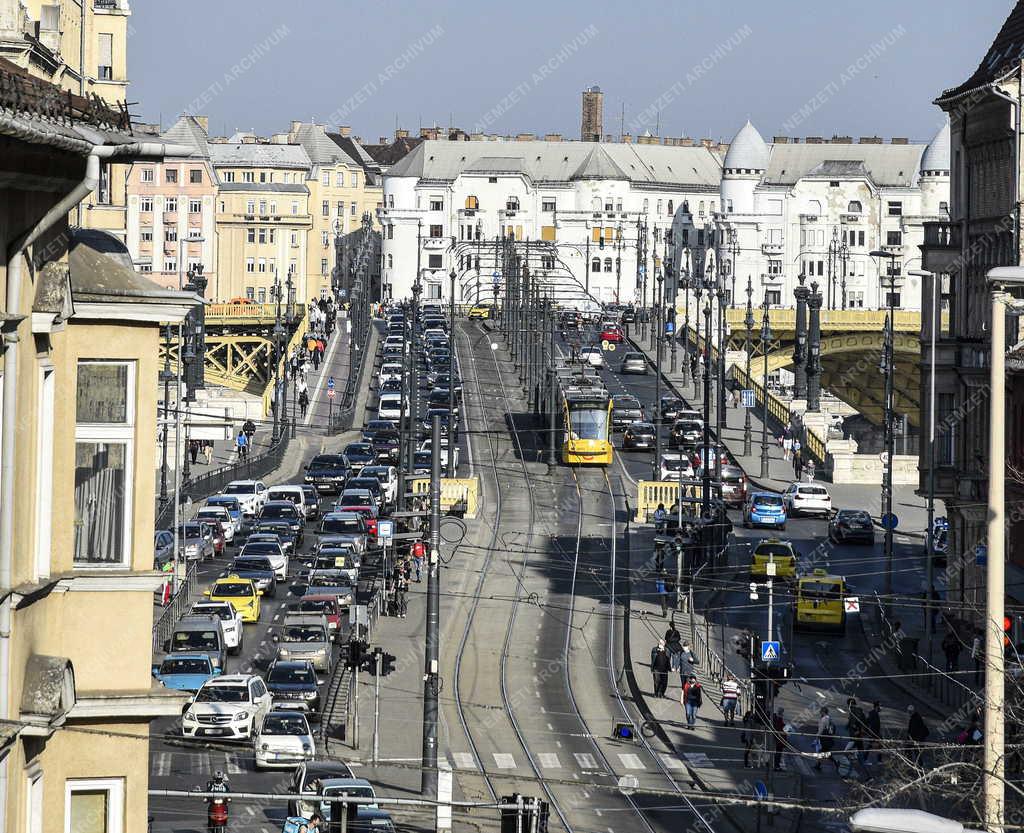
1007 631
387 663
355 654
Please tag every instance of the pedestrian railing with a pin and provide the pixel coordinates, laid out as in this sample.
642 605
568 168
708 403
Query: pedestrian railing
175 608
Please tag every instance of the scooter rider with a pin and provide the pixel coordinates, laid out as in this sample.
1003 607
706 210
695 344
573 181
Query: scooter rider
217 813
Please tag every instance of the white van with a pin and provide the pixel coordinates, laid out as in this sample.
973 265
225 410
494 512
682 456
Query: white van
295 494
390 406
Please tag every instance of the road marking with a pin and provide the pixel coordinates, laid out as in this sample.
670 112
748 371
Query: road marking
464 760
549 760
631 760
233 764
163 764
585 760
671 762
698 760
503 760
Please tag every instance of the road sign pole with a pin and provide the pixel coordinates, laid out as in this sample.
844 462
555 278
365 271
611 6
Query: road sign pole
378 658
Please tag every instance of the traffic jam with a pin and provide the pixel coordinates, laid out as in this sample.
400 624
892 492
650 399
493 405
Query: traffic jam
287 575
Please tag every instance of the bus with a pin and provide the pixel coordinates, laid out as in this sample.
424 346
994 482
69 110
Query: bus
586 420
819 603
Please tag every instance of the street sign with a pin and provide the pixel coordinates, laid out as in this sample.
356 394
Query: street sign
890 521
330 383
670 328
495 275
770 651
852 604
760 791
385 530
610 348
330 393
747 398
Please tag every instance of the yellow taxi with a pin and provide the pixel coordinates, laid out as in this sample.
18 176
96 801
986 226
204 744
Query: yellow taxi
480 311
780 552
240 593
820 602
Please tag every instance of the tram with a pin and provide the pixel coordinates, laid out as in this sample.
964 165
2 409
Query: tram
586 419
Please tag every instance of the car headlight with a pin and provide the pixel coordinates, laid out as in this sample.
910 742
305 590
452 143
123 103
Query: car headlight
283 652
307 748
242 715
264 746
190 715
309 695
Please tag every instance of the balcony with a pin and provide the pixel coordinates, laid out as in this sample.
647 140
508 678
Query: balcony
893 248
942 246
771 248
436 243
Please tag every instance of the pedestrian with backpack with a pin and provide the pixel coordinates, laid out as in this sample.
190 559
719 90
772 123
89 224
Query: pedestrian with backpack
692 700
825 740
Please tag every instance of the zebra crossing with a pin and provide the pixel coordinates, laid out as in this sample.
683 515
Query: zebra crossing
585 762
165 762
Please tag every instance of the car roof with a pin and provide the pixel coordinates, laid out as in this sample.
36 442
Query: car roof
232 679
243 482
343 516
281 503
234 580
291 663
188 655
326 767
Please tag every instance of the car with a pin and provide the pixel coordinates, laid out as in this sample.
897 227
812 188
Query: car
387 476
592 356
734 486
312 502
230 706
276 531
764 509
200 634
327 473
480 311
370 484
375 426
440 397
807 499
251 495
195 543
305 636
685 433
293 685
359 455
219 515
390 370
240 593
270 549
633 363
308 780
851 525
669 408
283 740
706 455
446 380
258 569
344 527
232 504
640 435
389 406
427 446
230 621
613 335
215 530
185 671
782 553
290 491
361 502
163 548
674 467
332 583
448 423
286 511
390 386
625 409
326 606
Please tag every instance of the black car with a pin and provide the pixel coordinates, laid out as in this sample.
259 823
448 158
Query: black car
444 380
851 525
625 409
375 426
640 435
386 445
685 433
669 408
372 484
292 683
259 569
289 535
421 463
439 397
359 455
327 473
391 386
285 511
426 426
393 351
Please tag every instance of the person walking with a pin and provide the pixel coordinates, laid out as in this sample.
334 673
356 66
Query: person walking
242 444
917 732
747 735
951 648
797 447
857 728
874 724
730 698
674 644
659 589
780 736
660 665
303 402
660 519
692 699
798 464
687 663
208 451
418 552
825 739
787 445
401 589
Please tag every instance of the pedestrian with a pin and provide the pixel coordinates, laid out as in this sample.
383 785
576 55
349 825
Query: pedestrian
977 654
730 698
303 402
208 451
797 447
951 648
874 723
687 663
250 430
810 470
674 644
418 552
193 450
825 740
692 699
798 464
747 735
401 589
242 443
660 665
780 737
660 519
857 727
787 446
917 731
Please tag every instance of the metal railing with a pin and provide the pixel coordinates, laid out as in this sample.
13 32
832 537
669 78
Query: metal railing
175 608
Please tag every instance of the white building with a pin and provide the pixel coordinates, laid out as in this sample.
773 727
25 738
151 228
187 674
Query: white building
446 202
819 208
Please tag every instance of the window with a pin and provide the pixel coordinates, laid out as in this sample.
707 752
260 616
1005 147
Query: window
433 290
894 238
325 238
250 293
434 261
272 234
773 296
146 235
171 204
355 180
171 235
325 208
352 210
945 428
248 176
250 264
229 176
263 207
472 203
104 445
391 232
821 267
94 805
339 180
855 299
261 265
547 205
775 267
263 176
608 265
391 261
892 299
146 205
436 204
437 231
895 208
250 235
833 183
323 266
170 176
671 208
146 267
262 235
595 265
103 189
295 208
195 206
944 208
326 179
294 239
854 207
171 264
105 57
261 295
44 468
341 208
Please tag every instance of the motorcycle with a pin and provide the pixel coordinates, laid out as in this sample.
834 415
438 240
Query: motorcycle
217 806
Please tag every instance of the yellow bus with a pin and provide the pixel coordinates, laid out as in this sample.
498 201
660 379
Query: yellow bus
586 422
819 603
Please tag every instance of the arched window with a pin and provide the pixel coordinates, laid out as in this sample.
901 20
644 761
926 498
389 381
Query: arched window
608 264
854 207
671 208
595 265
472 203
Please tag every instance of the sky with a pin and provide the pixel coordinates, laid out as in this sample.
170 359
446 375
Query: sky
675 68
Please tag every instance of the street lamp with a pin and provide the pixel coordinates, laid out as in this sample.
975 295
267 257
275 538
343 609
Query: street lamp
684 282
451 370
838 253
186 360
166 377
656 463
748 322
766 337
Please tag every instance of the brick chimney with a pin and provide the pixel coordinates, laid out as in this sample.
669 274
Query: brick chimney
899 140
814 140
552 137
870 140
344 130
401 134
780 140
842 140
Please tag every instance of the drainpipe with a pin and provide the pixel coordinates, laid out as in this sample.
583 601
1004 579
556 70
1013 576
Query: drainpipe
1015 104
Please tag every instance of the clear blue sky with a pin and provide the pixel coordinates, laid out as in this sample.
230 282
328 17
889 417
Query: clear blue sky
520 67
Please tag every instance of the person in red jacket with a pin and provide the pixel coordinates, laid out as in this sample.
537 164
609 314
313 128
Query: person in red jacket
418 552
692 700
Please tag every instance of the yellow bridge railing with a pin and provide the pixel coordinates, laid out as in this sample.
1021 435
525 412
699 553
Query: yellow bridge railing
454 491
650 493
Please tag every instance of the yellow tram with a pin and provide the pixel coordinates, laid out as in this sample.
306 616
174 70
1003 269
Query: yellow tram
586 421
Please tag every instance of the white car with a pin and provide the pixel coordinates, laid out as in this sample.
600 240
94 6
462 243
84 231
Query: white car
674 466
251 494
807 499
427 445
230 622
284 739
232 706
389 371
219 513
389 406
593 356
269 546
388 477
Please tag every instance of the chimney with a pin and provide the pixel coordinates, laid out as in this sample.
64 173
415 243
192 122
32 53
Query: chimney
870 140
780 140
280 139
900 140
295 126
383 140
477 137
525 137
685 142
842 140
203 122
344 130
248 139
627 138
814 140
401 134
707 143
552 137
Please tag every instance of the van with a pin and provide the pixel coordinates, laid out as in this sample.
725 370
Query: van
294 494
390 406
200 634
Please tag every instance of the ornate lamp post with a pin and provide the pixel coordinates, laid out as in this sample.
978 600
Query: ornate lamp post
802 293
698 290
814 351
187 358
166 376
766 337
684 282
748 322
656 462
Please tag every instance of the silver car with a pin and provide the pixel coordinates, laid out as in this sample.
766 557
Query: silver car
634 363
305 637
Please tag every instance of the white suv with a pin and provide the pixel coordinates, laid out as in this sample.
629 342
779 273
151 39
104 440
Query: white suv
251 494
807 498
232 706
230 621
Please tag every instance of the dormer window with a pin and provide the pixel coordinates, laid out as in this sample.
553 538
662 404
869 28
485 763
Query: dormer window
854 207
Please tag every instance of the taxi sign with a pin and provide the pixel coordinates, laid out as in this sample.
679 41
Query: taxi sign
770 651
852 604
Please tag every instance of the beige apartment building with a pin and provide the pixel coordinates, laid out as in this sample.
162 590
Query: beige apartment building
263 220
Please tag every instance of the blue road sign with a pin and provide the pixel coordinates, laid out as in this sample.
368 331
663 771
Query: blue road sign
760 790
330 383
669 328
770 651
495 275
890 521
747 398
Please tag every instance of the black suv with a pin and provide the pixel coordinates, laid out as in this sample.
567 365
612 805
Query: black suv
293 684
625 409
327 473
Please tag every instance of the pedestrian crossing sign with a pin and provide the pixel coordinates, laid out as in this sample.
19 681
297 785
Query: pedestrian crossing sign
770 651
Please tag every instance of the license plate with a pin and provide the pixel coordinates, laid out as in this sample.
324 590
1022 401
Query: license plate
213 732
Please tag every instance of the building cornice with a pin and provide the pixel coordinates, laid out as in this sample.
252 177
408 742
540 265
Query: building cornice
141 312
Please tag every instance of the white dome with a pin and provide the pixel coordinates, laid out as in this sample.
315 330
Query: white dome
936 156
747 150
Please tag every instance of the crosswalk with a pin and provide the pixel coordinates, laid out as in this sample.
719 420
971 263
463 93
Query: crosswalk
165 762
586 762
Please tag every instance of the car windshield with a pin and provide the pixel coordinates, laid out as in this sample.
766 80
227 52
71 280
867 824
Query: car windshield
812 490
828 590
291 675
358 450
277 724
223 694
190 531
334 525
273 512
674 465
422 458
232 590
303 633
688 426
632 357
195 641
210 514
773 550
327 461
185 666
221 611
642 428
290 496
589 423
328 580
241 489
247 564
624 402
857 515
371 484
261 547
767 500
314 606
357 790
